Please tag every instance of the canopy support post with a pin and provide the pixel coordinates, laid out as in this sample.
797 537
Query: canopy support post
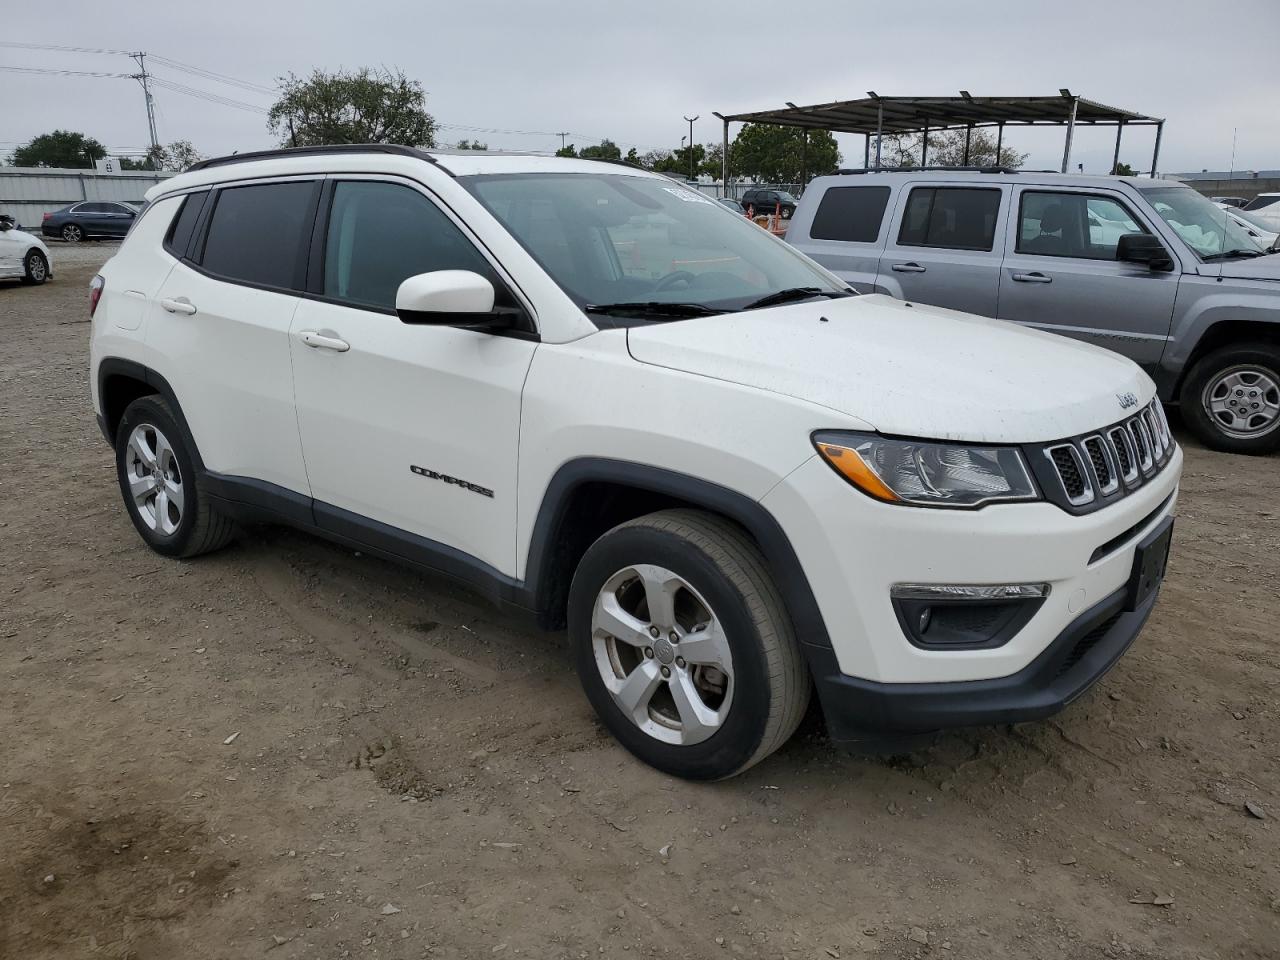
1071 129
1115 157
999 141
879 129
924 146
866 152
1155 154
724 159
968 136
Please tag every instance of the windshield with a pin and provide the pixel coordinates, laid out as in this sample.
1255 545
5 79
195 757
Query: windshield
1202 225
612 238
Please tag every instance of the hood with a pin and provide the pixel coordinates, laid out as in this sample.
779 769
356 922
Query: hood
25 237
1255 268
907 369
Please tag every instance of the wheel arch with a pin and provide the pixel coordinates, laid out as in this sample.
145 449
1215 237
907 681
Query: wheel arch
1223 332
589 496
120 382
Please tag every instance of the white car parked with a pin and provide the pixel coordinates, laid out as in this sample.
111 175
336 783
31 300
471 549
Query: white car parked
604 399
23 256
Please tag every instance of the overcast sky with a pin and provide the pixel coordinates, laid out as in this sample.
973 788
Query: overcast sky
631 71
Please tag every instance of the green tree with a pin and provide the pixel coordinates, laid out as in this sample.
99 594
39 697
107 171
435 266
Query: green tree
1124 170
176 156
471 145
604 150
569 151
663 161
62 148
632 157
946 149
774 154
364 106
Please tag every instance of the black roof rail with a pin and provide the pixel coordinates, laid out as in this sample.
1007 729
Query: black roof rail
250 156
845 172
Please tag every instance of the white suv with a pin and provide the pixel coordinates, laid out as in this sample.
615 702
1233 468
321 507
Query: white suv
601 397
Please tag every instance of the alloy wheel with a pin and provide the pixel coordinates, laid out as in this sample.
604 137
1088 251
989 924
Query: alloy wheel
155 481
36 268
662 654
72 233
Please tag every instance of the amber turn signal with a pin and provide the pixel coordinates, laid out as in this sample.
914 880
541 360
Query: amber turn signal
846 462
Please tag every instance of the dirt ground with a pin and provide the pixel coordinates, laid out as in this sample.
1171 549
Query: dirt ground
293 749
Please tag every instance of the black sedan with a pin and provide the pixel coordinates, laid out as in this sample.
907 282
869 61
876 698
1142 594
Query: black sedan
88 219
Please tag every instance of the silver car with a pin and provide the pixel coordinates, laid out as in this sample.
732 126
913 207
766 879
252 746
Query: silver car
1148 268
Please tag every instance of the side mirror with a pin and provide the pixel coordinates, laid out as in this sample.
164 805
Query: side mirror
1143 248
448 298
5 224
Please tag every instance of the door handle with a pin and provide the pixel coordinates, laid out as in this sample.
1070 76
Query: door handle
1036 277
907 268
180 305
320 341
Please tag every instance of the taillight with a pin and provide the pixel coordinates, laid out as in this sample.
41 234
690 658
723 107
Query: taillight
95 293
47 216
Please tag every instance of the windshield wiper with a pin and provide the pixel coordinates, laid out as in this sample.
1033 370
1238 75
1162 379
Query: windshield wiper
652 308
1232 253
794 293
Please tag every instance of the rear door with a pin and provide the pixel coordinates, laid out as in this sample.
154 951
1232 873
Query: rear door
942 249
221 324
1061 273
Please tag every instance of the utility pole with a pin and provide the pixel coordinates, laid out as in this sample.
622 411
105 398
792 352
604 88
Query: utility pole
143 78
562 136
690 122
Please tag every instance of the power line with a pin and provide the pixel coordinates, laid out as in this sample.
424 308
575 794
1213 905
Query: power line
22 45
68 73
212 75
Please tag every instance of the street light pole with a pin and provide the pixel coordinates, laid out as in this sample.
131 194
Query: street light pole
690 122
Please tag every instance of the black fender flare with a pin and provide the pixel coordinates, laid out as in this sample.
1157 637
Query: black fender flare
750 514
110 367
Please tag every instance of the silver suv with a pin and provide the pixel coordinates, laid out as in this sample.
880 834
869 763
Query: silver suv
1148 268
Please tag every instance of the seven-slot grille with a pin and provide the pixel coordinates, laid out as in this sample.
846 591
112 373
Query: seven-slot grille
1112 461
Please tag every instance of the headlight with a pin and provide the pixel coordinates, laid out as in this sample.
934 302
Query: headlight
925 474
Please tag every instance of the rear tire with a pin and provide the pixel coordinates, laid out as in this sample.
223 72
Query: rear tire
722 678
160 486
1231 399
35 268
72 233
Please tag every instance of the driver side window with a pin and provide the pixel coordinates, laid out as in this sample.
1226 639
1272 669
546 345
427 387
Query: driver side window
380 234
1079 225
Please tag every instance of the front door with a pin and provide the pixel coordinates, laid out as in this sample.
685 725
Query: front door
942 247
412 427
1061 273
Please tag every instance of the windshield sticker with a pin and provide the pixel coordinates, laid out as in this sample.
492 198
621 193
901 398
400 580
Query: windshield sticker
688 196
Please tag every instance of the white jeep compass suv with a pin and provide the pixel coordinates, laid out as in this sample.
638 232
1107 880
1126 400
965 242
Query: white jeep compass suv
601 397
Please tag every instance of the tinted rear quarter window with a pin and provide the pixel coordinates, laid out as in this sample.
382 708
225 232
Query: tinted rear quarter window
178 239
259 234
852 214
956 218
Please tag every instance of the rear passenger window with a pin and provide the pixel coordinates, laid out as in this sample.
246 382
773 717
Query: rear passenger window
852 214
380 234
259 234
957 218
178 240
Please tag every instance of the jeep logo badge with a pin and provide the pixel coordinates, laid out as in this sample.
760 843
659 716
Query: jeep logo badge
1127 400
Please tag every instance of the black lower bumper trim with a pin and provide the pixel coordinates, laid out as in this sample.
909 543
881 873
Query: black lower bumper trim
863 711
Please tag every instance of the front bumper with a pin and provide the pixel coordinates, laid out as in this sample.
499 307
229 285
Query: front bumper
869 713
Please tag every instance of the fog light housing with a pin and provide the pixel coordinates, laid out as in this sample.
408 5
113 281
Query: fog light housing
939 616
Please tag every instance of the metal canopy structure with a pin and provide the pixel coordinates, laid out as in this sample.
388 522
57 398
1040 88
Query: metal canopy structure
876 116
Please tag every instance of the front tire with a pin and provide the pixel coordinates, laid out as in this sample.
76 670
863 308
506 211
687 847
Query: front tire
1231 399
35 268
160 486
72 233
684 646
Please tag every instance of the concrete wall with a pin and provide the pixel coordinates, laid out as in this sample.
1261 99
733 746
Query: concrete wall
28 193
